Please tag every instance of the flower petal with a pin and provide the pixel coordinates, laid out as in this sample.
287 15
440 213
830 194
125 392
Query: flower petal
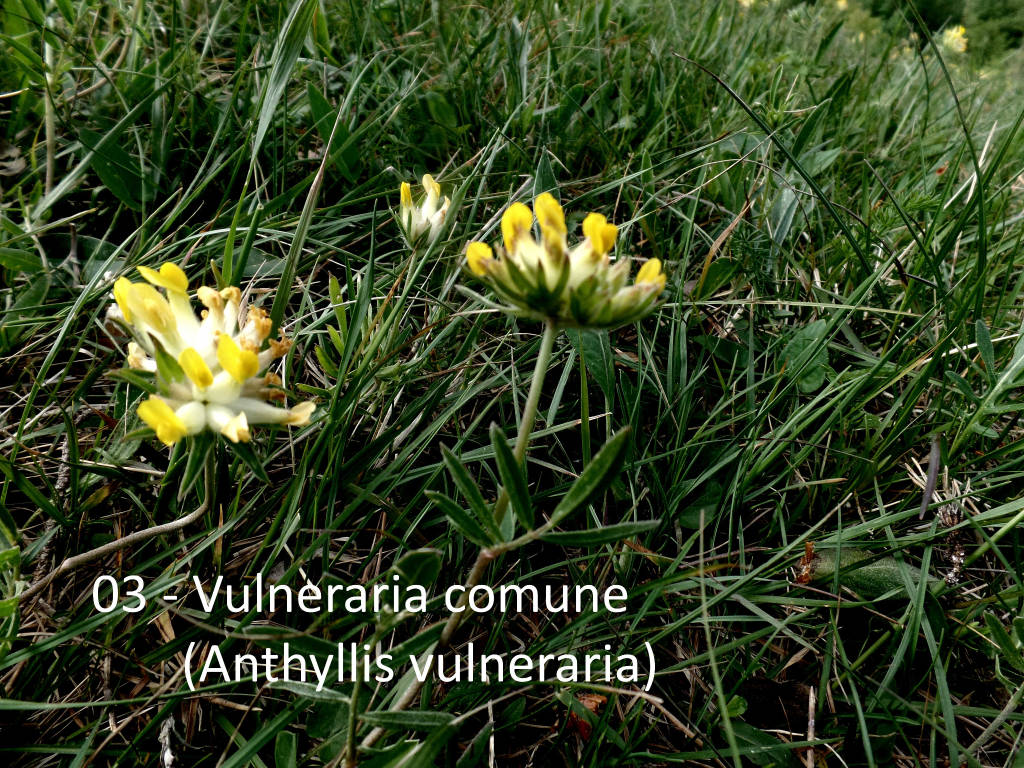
240 363
515 223
170 277
478 255
550 216
159 416
195 368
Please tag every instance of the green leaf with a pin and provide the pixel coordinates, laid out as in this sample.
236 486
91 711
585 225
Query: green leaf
286 52
1008 649
806 356
461 520
346 152
143 381
595 347
409 720
245 452
545 180
762 748
424 754
720 272
420 566
286 750
309 691
20 261
37 497
168 367
441 111
119 171
512 477
469 489
597 536
595 477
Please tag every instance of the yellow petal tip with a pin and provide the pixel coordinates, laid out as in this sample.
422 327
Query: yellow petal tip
162 419
477 257
195 368
241 363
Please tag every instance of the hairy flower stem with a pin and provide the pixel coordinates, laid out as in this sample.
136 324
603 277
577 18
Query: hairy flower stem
124 542
547 343
487 554
540 370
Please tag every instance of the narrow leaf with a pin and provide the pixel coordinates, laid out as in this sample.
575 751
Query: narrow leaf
603 535
460 519
415 720
469 489
286 53
595 477
512 478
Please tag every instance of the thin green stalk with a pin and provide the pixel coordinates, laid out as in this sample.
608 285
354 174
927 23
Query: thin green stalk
547 343
487 554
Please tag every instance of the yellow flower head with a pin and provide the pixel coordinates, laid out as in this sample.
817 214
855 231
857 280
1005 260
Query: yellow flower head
207 369
954 39
577 287
422 222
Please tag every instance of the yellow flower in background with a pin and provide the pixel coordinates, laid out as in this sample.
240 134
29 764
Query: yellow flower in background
425 219
954 39
207 369
575 287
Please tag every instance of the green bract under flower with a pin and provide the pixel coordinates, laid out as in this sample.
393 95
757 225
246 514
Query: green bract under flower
207 369
573 287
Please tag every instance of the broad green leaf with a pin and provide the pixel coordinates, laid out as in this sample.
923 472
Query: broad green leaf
42 500
720 272
345 153
762 748
806 356
441 111
1007 648
245 452
119 171
20 261
268 730
285 750
595 348
545 180
309 691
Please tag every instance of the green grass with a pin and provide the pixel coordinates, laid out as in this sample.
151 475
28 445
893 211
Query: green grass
838 211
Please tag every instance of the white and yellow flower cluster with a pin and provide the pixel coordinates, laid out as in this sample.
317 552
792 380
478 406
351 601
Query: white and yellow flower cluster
954 39
207 369
577 287
427 218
